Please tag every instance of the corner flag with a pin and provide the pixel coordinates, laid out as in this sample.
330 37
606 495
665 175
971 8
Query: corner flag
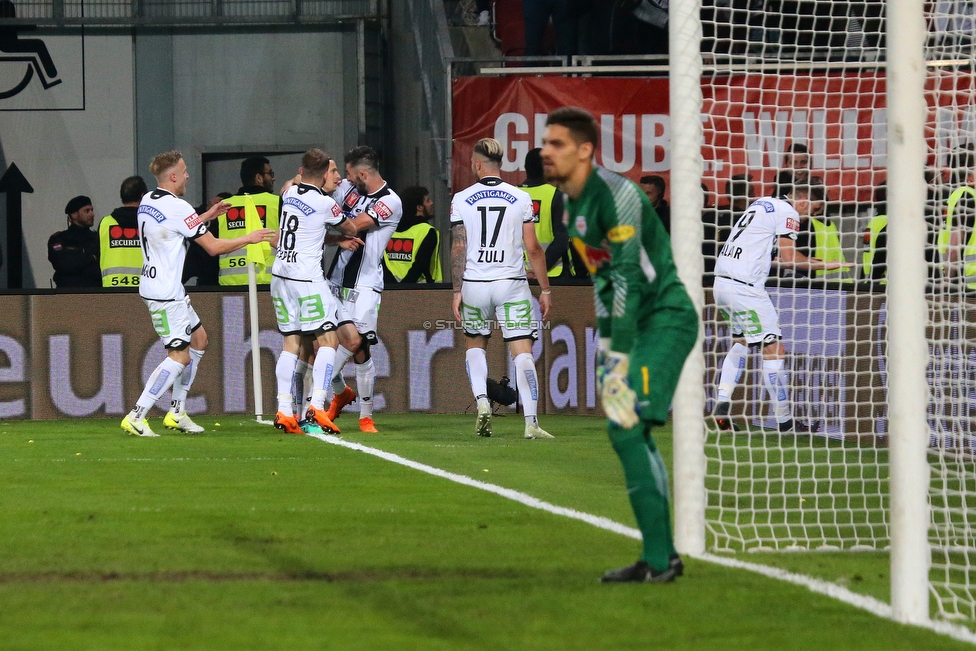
260 253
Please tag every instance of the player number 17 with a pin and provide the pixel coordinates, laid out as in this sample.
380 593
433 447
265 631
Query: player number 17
484 210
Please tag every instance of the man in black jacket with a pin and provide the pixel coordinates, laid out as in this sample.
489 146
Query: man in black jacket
74 252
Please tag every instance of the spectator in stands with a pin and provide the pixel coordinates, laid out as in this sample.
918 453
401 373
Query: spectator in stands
74 252
654 186
796 169
484 15
706 197
413 253
536 14
645 29
718 221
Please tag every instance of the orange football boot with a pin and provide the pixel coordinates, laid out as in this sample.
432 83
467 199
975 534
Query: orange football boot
339 401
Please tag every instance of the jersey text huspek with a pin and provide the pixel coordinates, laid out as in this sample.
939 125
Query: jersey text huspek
306 214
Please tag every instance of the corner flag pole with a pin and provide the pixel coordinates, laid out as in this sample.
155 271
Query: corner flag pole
256 254
252 302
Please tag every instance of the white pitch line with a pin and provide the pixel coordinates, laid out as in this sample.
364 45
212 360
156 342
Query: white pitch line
832 590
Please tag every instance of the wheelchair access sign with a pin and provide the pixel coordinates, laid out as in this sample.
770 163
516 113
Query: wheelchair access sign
41 72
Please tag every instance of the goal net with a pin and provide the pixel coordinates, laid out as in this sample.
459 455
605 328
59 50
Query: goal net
794 101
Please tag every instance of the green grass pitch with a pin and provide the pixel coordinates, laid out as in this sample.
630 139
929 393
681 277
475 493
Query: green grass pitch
246 538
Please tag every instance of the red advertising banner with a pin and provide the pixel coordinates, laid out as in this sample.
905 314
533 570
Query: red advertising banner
513 110
749 122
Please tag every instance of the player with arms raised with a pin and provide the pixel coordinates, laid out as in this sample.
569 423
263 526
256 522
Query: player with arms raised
302 299
647 323
740 293
166 225
489 223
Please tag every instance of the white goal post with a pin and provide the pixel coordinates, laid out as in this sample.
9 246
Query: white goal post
879 354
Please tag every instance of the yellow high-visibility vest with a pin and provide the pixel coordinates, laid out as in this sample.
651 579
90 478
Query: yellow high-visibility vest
120 253
401 251
233 265
828 249
875 226
542 196
969 253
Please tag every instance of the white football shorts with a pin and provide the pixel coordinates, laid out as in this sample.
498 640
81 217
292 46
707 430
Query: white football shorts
748 310
360 307
303 307
506 304
174 321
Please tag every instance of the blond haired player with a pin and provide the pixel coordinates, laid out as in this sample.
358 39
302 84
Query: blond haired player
492 223
166 225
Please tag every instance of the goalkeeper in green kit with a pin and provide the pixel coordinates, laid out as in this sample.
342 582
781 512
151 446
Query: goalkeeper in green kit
647 323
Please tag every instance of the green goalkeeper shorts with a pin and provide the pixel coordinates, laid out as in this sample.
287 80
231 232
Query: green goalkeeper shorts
656 361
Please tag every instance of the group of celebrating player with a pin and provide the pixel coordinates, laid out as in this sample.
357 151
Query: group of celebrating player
647 322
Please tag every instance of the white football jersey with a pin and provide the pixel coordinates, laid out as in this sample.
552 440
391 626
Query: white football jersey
166 223
306 214
363 268
748 252
493 213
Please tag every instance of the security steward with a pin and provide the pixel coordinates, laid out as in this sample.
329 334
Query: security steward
118 236
874 258
819 238
74 252
959 228
257 181
547 203
413 253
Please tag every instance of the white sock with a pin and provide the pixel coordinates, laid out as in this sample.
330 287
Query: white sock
321 372
341 357
297 383
476 363
285 375
182 384
733 366
528 385
159 382
365 380
777 383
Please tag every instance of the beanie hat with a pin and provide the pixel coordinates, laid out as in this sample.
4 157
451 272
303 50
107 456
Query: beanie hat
77 204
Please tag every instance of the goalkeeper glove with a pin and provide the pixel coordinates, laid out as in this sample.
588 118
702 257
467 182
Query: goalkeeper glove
602 350
619 400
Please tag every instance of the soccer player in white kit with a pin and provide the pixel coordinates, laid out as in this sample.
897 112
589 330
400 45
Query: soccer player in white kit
740 293
490 221
302 299
166 225
356 277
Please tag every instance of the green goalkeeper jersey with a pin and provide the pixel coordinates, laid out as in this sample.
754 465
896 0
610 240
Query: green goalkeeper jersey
624 245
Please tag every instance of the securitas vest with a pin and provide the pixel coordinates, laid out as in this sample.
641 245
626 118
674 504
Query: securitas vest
828 249
233 265
969 254
402 249
120 254
875 226
542 207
